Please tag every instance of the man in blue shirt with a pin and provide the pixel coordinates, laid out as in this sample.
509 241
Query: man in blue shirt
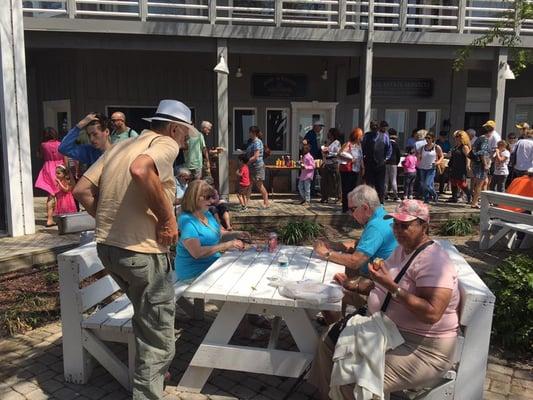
98 128
376 241
312 139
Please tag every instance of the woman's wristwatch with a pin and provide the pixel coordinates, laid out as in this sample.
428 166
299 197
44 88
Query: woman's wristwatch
396 292
327 255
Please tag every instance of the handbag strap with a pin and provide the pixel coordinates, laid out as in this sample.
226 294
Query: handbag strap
403 271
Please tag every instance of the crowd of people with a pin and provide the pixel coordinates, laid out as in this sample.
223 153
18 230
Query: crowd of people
142 193
467 163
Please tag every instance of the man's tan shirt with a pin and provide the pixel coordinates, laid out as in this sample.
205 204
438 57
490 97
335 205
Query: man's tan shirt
123 218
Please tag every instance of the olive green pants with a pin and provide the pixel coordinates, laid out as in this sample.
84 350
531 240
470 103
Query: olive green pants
147 280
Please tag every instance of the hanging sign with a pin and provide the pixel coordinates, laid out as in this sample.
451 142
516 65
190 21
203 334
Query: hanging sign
279 85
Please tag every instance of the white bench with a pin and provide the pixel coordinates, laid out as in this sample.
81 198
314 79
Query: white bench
466 380
84 335
495 222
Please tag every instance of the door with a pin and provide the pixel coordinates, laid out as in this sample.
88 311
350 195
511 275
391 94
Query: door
397 119
303 116
57 115
475 120
520 110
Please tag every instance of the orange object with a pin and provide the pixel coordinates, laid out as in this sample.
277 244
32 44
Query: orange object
522 186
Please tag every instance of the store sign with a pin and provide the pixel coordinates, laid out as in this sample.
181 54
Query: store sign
279 85
386 87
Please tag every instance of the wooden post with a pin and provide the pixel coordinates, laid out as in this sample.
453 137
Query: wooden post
497 98
222 121
342 14
71 8
143 9
461 16
212 12
365 84
278 12
403 15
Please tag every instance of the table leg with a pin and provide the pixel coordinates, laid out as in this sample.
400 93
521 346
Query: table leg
274 334
221 331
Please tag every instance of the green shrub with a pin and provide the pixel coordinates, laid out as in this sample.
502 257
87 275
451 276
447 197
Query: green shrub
51 277
295 233
456 227
512 284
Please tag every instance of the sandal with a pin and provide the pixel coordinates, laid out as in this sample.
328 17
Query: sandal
50 225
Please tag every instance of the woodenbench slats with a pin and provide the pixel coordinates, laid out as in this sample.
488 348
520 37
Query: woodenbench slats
516 227
97 291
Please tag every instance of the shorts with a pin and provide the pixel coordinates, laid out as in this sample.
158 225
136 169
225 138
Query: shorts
257 172
245 190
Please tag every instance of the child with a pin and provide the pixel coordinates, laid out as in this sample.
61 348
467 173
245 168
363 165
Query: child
245 187
306 176
65 203
409 173
501 170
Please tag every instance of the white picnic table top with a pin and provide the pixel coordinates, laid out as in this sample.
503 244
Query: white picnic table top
240 280
242 276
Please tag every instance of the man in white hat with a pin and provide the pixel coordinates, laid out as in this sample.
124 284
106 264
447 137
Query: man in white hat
130 191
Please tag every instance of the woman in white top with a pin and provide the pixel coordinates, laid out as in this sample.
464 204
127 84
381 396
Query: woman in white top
330 184
428 157
501 167
351 165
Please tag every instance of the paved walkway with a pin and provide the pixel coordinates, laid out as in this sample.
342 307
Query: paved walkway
32 369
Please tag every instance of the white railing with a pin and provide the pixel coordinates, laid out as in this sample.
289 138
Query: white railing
468 16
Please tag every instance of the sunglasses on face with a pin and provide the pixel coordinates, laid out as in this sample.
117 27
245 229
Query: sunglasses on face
402 225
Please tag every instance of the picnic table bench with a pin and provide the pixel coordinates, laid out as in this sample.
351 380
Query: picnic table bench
86 328
496 222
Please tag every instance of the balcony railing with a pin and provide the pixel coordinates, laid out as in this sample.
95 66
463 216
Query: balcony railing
468 16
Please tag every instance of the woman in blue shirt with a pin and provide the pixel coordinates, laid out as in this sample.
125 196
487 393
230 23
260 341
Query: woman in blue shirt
200 244
255 152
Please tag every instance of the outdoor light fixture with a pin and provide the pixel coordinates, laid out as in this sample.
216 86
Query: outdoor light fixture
324 75
508 72
221 67
238 74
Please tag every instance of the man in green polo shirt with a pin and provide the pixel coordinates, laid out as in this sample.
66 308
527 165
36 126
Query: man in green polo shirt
194 155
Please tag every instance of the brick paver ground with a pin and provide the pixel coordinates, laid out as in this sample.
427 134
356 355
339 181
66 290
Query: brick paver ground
32 368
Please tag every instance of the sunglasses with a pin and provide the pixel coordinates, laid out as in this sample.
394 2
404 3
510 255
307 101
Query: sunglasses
403 225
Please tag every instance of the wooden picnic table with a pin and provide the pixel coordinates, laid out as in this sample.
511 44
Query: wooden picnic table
239 279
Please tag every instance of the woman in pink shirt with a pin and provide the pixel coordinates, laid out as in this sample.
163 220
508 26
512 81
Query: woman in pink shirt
409 173
423 305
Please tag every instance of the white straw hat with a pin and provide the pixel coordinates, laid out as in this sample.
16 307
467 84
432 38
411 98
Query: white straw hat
172 111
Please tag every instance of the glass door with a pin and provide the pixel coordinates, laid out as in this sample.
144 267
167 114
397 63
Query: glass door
306 118
397 119
429 120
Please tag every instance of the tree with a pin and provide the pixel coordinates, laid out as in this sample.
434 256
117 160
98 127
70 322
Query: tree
505 33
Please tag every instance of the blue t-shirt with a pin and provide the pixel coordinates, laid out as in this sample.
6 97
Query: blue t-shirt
190 227
377 240
254 145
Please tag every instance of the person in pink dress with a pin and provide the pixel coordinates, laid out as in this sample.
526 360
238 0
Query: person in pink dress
47 176
65 203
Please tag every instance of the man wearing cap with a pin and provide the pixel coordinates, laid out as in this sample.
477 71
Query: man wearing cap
523 154
522 129
130 191
493 136
121 131
376 241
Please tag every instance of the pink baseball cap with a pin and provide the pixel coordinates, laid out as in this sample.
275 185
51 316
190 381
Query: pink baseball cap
409 210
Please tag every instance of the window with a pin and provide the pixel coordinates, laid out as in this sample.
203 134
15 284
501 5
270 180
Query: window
397 119
429 120
243 119
277 120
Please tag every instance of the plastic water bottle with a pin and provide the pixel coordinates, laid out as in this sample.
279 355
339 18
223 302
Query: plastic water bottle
283 265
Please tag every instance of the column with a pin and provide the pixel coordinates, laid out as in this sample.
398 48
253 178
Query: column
222 121
14 126
459 82
497 96
365 85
